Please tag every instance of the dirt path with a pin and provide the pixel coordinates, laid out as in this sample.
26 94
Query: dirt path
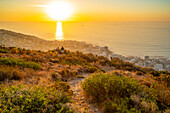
79 103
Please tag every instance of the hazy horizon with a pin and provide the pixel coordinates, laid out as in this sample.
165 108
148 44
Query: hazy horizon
87 10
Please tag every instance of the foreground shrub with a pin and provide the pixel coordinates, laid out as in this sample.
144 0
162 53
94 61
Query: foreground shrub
158 73
3 51
54 76
19 62
10 73
90 69
27 99
119 94
65 73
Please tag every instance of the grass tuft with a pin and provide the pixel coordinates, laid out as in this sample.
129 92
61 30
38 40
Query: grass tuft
10 73
20 63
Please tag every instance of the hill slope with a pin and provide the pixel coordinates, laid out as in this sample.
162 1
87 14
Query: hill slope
38 81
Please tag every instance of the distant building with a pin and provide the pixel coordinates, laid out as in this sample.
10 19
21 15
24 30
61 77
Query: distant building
168 67
158 66
162 62
168 61
147 64
146 58
132 61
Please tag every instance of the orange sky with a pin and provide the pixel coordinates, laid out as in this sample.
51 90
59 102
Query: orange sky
88 10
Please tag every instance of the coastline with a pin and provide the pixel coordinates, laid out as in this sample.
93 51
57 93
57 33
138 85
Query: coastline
13 39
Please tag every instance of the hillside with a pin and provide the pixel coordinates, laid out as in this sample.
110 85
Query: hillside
13 39
76 81
25 73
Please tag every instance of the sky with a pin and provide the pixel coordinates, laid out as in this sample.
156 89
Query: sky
88 10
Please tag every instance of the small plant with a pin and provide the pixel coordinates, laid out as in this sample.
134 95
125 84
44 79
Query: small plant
19 62
79 76
3 51
91 69
65 73
62 86
10 73
54 76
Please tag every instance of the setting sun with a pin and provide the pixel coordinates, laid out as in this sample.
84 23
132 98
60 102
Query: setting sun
59 10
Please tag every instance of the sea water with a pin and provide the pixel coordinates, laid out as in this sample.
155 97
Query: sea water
124 38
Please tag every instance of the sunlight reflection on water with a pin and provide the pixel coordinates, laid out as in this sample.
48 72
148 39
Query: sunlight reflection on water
59 31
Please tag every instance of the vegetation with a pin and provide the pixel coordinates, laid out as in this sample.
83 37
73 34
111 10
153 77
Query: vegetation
10 73
19 62
3 51
43 77
114 93
26 99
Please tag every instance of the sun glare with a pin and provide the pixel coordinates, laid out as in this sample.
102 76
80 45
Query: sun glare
59 10
59 31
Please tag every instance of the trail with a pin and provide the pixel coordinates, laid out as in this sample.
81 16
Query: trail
79 103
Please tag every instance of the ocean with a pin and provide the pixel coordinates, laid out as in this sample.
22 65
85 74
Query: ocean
124 38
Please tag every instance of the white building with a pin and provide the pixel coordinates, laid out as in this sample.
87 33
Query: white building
168 67
158 67
147 64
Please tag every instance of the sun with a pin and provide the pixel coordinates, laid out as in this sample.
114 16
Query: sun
59 10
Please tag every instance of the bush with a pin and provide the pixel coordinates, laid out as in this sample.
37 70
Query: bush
10 73
62 86
55 76
19 62
65 73
158 73
3 51
27 99
90 69
72 60
113 92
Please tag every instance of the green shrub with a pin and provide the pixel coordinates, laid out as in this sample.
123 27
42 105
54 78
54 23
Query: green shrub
54 76
27 99
19 62
10 73
3 51
65 73
166 79
158 73
62 86
73 60
91 69
113 92
80 76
